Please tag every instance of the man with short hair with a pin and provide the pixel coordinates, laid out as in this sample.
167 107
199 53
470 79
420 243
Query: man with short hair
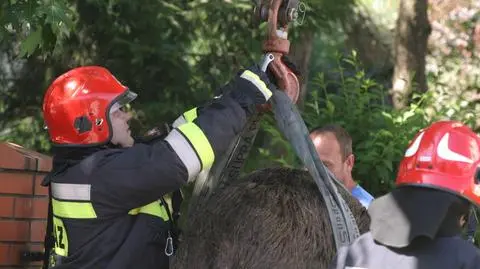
334 147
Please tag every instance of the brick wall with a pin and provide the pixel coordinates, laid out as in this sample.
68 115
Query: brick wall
23 205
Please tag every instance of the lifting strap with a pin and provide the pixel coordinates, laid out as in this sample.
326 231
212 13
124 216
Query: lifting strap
292 126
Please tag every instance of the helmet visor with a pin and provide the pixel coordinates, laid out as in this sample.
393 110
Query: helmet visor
123 100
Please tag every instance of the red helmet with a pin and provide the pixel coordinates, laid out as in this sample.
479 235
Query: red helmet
444 156
76 106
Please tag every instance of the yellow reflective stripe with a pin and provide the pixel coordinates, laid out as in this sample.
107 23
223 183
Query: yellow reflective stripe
190 115
154 209
73 210
61 238
200 143
255 80
185 152
134 211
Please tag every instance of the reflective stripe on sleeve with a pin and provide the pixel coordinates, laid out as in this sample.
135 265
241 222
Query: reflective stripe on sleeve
255 80
154 209
188 116
185 152
200 143
179 121
192 147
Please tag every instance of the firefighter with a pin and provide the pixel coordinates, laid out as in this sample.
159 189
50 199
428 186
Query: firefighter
106 191
417 225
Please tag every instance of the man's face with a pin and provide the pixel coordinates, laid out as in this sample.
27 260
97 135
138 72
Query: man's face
120 128
330 153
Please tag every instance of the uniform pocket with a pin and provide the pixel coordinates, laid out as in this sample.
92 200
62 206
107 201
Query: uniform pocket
158 240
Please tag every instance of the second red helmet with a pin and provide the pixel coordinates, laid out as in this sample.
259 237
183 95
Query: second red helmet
445 156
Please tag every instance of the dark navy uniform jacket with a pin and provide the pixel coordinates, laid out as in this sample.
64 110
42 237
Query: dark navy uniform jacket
106 208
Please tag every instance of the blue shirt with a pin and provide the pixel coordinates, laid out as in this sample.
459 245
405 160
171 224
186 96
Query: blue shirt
362 196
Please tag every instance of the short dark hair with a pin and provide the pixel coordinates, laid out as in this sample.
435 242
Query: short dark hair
342 136
272 218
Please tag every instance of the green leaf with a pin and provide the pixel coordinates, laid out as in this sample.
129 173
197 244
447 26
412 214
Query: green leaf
330 107
170 7
3 34
57 15
28 10
388 164
349 61
31 43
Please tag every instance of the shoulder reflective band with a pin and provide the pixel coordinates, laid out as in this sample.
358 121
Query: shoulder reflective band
188 116
255 80
293 127
192 147
61 238
154 209
73 210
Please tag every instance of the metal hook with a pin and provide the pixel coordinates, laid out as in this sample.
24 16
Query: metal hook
267 59
169 245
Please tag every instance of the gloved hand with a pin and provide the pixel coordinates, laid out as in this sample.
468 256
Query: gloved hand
154 134
250 86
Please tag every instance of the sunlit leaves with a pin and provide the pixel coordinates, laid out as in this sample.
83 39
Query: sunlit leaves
28 21
31 43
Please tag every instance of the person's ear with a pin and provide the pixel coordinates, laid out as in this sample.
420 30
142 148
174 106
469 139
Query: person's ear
350 161
463 221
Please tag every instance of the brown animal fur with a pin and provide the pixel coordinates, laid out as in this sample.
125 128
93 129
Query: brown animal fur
272 218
